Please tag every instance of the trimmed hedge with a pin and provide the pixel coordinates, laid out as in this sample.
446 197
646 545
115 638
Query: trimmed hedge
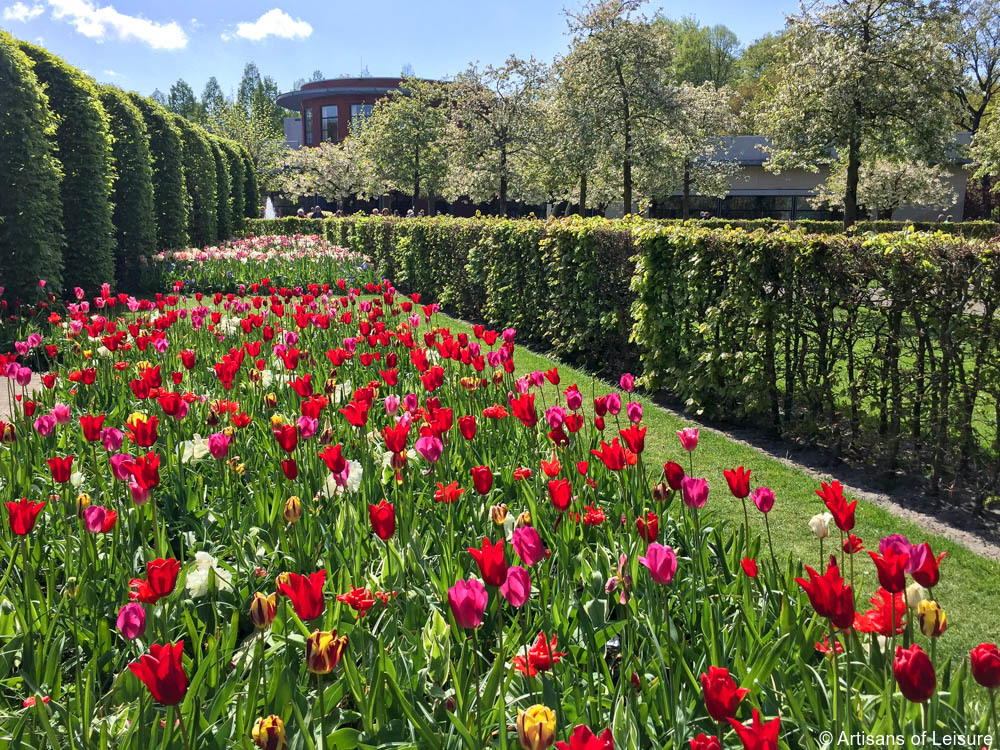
169 191
882 347
31 241
251 188
971 229
237 183
200 180
132 195
83 145
223 192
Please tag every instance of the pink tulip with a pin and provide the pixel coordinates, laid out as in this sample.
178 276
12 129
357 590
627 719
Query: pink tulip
140 496
391 404
119 466
536 378
131 621
467 600
429 447
627 382
45 424
521 385
614 403
411 402
694 491
689 438
517 588
763 498
555 416
307 426
528 545
218 444
574 399
94 517
661 561
23 376
633 409
111 439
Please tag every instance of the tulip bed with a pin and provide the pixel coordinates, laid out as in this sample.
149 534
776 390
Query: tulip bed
281 505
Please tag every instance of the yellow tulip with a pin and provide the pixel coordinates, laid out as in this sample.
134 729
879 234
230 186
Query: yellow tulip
536 727
269 733
932 618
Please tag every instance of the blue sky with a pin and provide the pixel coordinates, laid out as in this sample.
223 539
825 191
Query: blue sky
148 45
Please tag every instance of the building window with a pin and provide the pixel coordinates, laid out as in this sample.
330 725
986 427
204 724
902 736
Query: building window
307 126
330 123
362 111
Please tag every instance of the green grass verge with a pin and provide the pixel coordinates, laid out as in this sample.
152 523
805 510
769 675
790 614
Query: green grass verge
969 590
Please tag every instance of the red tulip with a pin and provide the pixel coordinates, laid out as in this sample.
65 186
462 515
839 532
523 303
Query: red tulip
289 468
674 474
703 742
356 413
92 427
287 436
383 519
758 736
523 408
22 515
829 595
924 566
721 693
333 458
739 482
60 468
541 657
561 494
143 432
490 559
395 437
584 739
986 665
145 470
162 672
914 673
467 426
891 569
482 479
448 494
161 574
634 438
749 567
187 358
612 456
842 511
306 594
648 527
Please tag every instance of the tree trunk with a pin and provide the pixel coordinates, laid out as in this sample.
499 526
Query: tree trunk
582 210
503 182
686 198
851 193
627 160
416 177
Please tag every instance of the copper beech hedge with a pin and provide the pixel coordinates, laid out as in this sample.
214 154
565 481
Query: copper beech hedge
878 347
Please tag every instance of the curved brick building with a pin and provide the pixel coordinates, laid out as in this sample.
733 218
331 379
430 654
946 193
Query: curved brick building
327 107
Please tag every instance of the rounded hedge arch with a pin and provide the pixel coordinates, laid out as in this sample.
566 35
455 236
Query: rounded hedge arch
200 179
132 191
237 183
83 145
169 191
31 240
223 191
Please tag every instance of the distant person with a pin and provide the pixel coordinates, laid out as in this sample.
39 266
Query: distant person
339 214
385 211
395 212
375 212
317 213
300 214
409 213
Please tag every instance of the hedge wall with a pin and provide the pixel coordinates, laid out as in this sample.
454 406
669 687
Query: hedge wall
223 192
169 190
971 229
882 347
251 188
132 192
83 145
200 180
31 241
237 183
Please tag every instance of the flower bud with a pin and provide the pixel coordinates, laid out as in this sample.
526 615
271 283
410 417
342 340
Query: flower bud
212 420
523 520
536 727
269 733
82 503
277 420
323 651
820 525
914 595
270 400
660 492
263 608
293 509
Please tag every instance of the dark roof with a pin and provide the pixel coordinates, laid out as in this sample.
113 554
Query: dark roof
337 87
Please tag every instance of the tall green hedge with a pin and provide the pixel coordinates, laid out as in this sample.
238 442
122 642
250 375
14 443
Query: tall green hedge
200 180
31 241
83 145
132 195
169 191
251 190
237 183
223 192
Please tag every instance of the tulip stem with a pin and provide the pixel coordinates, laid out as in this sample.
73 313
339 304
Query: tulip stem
500 656
993 711
184 733
770 546
322 711
835 681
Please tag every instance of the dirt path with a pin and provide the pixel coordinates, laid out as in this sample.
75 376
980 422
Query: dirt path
7 405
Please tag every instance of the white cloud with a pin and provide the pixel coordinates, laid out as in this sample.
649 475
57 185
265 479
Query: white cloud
273 23
21 12
97 23
112 73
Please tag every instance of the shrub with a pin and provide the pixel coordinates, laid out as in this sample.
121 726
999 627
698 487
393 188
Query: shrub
83 145
251 189
200 180
132 193
237 183
31 242
223 192
169 191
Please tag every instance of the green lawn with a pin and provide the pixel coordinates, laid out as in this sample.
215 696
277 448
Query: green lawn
969 589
